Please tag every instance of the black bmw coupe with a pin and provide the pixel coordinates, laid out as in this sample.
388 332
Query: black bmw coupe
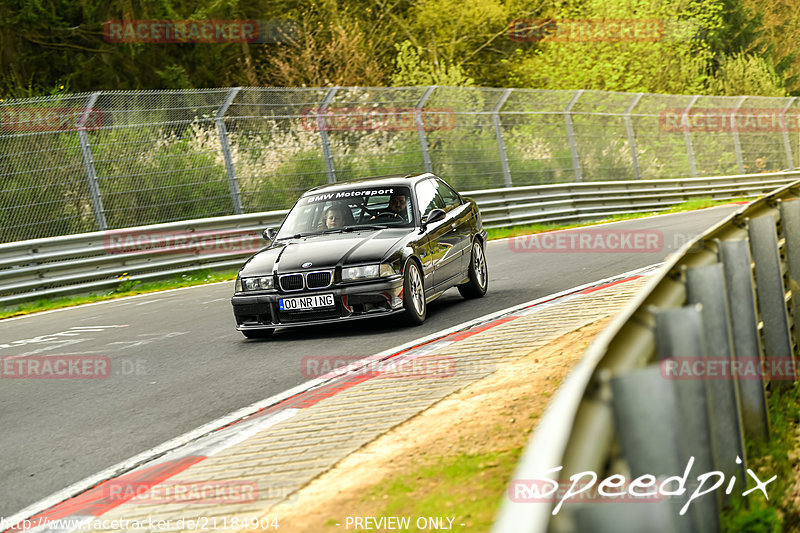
369 247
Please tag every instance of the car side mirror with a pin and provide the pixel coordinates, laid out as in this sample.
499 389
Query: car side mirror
434 216
270 234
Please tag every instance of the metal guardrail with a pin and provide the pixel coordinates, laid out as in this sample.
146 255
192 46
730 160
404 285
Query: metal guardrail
94 261
727 297
99 260
581 202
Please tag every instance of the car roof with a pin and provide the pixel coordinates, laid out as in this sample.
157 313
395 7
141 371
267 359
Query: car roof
397 180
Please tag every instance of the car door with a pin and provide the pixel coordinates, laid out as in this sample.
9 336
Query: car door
445 257
459 215
427 201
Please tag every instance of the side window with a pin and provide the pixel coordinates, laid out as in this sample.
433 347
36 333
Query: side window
449 196
427 199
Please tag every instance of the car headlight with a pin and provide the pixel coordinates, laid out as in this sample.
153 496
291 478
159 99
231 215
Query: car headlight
254 284
367 271
360 272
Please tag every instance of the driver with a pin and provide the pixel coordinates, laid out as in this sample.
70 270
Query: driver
396 208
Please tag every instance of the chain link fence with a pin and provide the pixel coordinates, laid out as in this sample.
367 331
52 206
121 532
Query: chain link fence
96 161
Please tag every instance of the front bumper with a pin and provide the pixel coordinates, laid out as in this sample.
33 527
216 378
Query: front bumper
351 302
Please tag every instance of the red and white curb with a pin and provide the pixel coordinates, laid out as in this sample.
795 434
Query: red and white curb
88 499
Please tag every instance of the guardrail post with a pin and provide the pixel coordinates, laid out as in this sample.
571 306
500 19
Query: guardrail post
679 334
323 134
706 286
88 162
573 147
770 291
790 222
421 135
650 431
632 137
498 133
687 137
737 145
787 145
233 183
736 260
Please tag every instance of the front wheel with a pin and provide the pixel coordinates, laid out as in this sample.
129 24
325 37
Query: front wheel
258 333
478 273
414 294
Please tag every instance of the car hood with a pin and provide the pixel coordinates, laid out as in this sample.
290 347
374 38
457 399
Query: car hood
325 251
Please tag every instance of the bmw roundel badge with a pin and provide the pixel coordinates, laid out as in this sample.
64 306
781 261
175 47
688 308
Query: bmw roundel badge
306 265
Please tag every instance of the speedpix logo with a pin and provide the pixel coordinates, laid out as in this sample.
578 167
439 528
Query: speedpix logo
590 241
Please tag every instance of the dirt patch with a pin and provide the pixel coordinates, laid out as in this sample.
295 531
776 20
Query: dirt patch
490 418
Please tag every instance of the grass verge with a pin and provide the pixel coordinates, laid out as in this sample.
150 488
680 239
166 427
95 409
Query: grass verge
128 287
776 457
464 486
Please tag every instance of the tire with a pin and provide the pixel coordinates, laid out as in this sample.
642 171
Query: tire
414 295
477 272
258 333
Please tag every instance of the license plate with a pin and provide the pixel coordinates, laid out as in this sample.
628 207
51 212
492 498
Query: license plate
304 303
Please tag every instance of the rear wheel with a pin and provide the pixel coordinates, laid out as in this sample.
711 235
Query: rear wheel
414 294
258 333
478 273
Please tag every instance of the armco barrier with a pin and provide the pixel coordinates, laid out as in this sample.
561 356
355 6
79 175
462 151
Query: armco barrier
675 384
95 261
87 262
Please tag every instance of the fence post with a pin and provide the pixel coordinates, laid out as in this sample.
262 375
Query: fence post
423 138
573 148
498 133
787 145
737 145
323 134
88 161
632 137
233 184
687 136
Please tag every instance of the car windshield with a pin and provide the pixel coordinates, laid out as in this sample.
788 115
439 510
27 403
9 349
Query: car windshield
355 209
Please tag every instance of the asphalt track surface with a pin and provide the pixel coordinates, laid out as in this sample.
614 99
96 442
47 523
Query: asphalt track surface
176 361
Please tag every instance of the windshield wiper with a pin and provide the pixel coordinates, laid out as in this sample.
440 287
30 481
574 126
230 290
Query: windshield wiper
366 226
299 235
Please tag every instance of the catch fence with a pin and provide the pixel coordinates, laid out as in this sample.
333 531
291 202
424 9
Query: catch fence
105 160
